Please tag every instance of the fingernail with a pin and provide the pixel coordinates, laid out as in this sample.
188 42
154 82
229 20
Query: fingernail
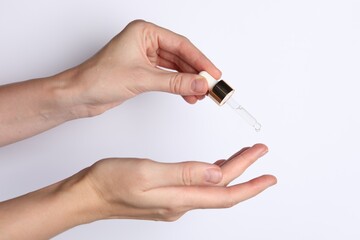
213 175
199 85
263 153
264 150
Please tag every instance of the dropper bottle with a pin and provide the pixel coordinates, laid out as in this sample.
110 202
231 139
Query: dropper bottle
222 93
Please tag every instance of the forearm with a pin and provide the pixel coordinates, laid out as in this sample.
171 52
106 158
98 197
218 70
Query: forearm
49 211
31 107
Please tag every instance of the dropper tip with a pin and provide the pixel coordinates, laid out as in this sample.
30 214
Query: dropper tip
257 127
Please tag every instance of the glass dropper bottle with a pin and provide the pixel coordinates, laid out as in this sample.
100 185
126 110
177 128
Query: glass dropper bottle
222 93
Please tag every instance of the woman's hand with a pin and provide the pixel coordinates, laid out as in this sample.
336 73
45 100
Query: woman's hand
129 65
145 189
132 189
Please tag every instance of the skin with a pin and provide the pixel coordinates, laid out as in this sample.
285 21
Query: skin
121 188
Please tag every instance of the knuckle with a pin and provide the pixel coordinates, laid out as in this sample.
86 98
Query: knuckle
169 214
142 168
185 40
142 162
229 203
173 218
175 83
139 26
137 23
185 46
186 175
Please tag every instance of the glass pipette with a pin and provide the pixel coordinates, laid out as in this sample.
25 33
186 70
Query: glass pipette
243 113
222 93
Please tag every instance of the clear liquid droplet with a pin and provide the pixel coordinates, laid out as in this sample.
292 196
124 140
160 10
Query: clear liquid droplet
257 127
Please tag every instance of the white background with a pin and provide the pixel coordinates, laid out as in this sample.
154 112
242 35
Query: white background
295 67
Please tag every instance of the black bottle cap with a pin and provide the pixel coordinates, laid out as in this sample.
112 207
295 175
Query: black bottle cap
221 92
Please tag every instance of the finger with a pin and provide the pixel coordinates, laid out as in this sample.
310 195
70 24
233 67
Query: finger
234 167
185 84
238 153
193 99
200 97
184 66
190 99
167 64
185 174
223 161
182 47
200 197
225 197
220 162
170 65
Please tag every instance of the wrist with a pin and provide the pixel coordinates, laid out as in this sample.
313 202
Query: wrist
85 93
70 95
79 199
49 211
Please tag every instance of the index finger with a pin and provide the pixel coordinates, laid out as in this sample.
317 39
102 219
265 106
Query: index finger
184 49
237 164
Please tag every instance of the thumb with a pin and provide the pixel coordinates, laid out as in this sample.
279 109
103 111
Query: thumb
185 84
189 173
